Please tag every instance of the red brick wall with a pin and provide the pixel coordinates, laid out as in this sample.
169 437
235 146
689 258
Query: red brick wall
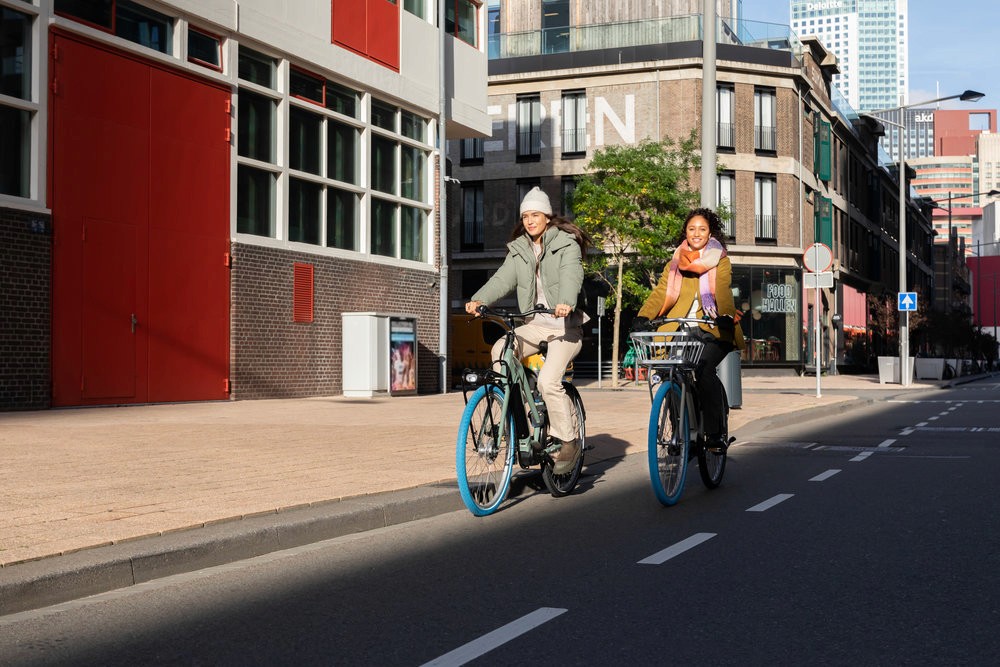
25 318
273 357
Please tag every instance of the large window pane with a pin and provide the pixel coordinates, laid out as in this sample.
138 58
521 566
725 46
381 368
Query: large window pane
413 126
472 217
413 232
306 86
15 157
383 115
416 7
15 54
303 211
529 126
574 122
555 26
414 167
384 165
303 140
256 126
383 228
256 67
341 219
466 30
342 152
342 100
254 201
96 12
144 26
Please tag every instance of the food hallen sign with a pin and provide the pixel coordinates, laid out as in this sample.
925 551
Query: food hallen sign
777 298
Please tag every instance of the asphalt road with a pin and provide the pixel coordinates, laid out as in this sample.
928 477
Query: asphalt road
866 539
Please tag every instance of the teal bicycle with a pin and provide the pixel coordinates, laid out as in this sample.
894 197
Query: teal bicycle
505 419
676 424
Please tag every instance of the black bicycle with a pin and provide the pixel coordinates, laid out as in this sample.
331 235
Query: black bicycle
676 422
505 414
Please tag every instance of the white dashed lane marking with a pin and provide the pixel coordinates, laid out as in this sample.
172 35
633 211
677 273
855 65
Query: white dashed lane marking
823 476
770 502
661 557
498 637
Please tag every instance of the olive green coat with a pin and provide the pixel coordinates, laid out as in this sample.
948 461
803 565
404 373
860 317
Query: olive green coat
560 265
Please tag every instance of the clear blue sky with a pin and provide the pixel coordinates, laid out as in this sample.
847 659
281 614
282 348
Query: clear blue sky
954 46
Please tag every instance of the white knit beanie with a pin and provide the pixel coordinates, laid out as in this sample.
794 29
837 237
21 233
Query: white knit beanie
536 200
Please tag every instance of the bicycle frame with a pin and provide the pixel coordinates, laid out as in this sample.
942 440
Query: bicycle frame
512 380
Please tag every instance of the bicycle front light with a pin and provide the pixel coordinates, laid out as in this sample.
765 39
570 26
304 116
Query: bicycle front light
472 377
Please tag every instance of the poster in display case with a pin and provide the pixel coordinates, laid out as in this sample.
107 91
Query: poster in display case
402 356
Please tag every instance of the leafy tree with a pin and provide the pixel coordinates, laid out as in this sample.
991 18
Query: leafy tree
632 202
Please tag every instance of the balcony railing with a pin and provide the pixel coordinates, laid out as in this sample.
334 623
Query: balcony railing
641 33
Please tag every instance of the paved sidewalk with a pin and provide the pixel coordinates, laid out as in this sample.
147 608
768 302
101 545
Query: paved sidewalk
99 498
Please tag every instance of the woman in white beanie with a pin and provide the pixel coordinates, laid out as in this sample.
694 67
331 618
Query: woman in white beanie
544 264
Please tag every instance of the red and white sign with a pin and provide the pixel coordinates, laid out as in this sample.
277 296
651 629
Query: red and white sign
818 258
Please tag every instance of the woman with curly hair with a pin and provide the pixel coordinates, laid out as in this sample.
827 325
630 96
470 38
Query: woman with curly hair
698 283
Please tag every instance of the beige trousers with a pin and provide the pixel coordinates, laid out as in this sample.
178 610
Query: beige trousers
562 349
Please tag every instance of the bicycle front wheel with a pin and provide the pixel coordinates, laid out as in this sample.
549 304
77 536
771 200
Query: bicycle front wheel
669 442
712 465
562 485
484 457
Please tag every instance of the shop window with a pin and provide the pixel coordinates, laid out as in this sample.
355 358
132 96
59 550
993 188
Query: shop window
204 49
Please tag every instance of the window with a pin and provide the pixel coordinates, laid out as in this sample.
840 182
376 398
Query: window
416 7
413 126
726 195
472 151
256 126
342 152
529 127
124 19
472 217
383 157
303 211
725 133
383 115
460 20
204 49
383 228
254 201
555 26
257 68
342 100
765 132
341 219
493 34
15 121
303 140
765 207
306 86
568 190
574 123
413 231
413 164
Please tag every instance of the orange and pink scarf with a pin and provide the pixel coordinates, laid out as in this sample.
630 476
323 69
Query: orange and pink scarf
702 263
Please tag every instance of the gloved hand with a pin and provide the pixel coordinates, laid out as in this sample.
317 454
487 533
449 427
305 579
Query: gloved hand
640 324
725 323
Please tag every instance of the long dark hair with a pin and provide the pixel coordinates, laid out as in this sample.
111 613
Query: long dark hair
714 225
562 223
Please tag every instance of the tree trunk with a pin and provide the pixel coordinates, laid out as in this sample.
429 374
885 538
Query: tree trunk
615 337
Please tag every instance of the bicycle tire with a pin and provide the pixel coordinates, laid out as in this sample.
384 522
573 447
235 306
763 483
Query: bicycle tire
563 485
484 454
669 442
712 465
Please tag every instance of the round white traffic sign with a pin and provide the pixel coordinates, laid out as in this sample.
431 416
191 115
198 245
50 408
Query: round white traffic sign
817 258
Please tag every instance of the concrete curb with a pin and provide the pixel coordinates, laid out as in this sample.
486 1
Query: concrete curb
49 581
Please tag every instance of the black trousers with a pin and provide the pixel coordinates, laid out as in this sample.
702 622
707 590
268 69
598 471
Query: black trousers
709 385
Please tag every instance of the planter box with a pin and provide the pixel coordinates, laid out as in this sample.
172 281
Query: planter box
929 369
888 370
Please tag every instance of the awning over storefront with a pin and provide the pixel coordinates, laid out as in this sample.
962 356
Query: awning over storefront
855 309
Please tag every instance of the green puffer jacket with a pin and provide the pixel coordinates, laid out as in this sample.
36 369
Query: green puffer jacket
561 270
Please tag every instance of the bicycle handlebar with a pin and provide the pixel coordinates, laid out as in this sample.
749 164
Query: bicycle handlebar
507 314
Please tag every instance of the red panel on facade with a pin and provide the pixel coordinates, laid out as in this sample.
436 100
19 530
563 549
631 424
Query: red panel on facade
140 292
302 296
368 27
383 32
350 18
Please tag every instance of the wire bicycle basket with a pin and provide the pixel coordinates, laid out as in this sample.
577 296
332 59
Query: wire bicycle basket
667 348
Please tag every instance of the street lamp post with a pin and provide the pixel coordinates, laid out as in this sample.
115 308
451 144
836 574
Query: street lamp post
904 321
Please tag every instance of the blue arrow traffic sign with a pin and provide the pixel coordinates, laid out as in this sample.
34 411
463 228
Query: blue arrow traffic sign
907 301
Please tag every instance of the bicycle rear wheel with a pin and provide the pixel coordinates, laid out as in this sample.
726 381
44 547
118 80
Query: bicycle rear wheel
669 443
712 465
484 455
562 485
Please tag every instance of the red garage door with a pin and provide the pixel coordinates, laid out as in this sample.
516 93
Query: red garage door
140 204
